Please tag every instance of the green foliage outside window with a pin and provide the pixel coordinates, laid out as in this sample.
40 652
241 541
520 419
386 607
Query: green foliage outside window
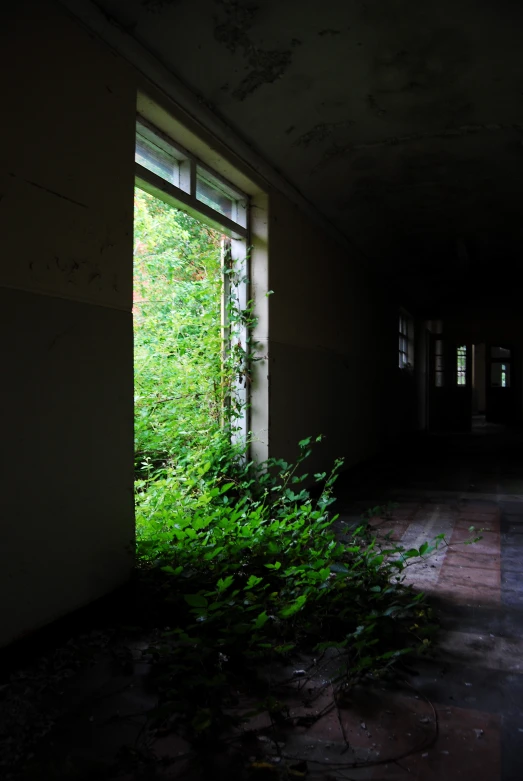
177 333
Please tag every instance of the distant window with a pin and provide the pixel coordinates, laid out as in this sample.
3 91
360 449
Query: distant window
438 363
406 342
500 375
462 365
500 367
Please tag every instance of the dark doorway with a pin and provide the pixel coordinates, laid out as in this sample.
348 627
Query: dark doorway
500 407
450 385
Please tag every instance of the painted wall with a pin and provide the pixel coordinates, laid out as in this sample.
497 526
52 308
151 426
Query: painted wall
479 389
333 345
422 373
66 200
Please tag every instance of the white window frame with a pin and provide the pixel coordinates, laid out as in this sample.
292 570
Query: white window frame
406 341
184 195
188 169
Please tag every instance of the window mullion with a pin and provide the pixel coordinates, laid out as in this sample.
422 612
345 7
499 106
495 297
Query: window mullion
192 189
169 193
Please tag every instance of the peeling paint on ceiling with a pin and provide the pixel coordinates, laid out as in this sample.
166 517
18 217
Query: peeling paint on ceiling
401 121
232 30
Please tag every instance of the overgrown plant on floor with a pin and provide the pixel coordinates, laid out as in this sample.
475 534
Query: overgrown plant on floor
245 563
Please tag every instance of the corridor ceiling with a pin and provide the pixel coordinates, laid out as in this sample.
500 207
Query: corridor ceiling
401 121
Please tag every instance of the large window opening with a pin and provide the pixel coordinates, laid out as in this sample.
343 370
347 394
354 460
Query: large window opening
190 294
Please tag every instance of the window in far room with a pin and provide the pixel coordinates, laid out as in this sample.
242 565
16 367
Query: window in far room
406 341
462 365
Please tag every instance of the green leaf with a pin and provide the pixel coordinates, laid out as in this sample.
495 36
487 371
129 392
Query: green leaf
202 720
284 649
224 583
196 600
261 620
172 570
296 605
253 581
391 610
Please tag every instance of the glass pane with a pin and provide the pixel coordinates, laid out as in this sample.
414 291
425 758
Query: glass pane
500 375
438 363
499 352
212 193
462 365
157 160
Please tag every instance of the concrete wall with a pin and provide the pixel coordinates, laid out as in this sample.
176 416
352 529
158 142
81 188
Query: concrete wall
66 200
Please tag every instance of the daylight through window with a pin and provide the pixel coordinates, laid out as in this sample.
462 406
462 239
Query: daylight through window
176 177
405 353
462 365
190 278
438 363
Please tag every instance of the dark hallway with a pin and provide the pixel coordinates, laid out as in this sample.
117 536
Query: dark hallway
360 166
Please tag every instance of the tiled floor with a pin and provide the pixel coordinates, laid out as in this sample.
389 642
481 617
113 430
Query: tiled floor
458 716
475 682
